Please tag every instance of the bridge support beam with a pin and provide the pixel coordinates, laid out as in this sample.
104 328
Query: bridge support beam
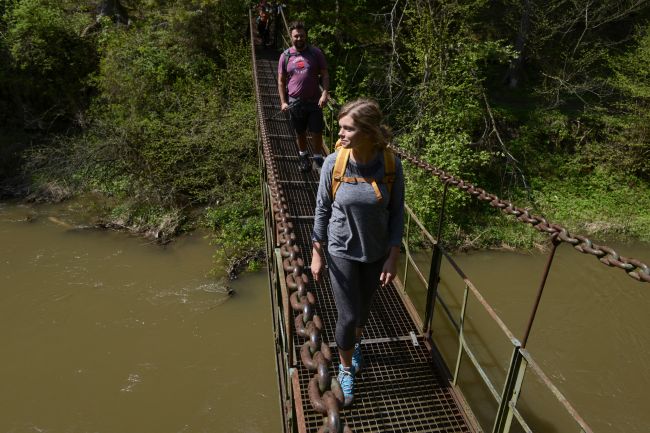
434 270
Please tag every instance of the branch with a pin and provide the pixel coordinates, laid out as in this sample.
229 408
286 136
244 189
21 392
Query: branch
511 159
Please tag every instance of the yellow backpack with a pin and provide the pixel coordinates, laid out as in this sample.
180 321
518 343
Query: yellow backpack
338 174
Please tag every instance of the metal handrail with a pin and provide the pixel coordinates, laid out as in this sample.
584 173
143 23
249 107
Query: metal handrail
521 361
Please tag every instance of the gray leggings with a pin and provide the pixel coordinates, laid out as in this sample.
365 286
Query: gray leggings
354 284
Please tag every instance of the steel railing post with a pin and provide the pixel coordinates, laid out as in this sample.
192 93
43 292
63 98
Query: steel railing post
461 335
407 250
510 394
434 270
549 262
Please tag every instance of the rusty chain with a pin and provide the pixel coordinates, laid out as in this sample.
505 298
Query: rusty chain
325 394
608 256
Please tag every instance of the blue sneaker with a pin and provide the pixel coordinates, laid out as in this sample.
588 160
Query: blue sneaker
357 358
346 379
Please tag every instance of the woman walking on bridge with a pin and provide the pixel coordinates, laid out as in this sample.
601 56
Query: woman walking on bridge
359 220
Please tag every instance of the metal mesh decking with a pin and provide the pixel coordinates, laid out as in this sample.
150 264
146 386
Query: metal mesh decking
401 388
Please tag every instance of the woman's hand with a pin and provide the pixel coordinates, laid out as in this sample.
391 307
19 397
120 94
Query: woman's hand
316 261
389 271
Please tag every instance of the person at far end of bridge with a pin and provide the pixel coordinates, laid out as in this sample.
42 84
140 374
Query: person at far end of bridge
358 223
263 21
300 69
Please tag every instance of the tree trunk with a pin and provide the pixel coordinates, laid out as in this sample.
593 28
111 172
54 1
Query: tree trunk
108 8
513 76
115 10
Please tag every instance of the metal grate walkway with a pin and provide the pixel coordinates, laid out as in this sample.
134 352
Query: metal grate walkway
402 387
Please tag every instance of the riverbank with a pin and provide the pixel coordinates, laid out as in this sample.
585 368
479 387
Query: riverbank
157 119
599 206
236 233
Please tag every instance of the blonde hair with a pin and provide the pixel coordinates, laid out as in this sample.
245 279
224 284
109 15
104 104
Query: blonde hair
367 116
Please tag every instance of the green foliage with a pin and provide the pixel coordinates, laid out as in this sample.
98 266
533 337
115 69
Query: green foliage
238 226
626 123
353 35
170 117
159 222
446 105
159 114
171 126
600 203
438 67
632 69
544 139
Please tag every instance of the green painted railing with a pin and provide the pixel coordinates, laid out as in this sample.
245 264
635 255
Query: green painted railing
521 361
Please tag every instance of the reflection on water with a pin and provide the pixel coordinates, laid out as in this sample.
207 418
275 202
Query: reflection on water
104 332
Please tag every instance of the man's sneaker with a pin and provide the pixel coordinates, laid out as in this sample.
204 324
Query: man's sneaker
303 162
357 358
346 379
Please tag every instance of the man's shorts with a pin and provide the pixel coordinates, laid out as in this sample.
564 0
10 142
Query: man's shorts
306 115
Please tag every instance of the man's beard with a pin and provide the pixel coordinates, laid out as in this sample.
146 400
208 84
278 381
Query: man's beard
300 44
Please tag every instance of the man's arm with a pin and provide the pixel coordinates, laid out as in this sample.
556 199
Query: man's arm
282 89
325 80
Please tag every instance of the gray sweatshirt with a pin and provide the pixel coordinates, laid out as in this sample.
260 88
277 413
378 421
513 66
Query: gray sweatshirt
356 225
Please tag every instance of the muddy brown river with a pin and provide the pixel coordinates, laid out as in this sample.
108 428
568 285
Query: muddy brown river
105 332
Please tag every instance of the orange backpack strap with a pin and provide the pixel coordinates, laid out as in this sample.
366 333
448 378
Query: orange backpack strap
338 174
389 169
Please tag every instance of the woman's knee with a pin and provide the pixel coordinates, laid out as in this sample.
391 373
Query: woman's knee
347 324
345 337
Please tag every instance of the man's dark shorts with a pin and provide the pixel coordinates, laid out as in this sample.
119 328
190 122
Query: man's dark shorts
306 115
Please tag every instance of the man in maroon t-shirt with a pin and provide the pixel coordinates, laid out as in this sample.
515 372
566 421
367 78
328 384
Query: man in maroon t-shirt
300 70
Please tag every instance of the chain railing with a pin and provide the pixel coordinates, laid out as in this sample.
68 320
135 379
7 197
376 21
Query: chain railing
608 256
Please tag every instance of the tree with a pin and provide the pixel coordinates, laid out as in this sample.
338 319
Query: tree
564 43
624 123
48 63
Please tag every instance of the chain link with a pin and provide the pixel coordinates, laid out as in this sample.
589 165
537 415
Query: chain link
633 267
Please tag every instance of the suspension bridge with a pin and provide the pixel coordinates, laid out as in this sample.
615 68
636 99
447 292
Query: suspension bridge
405 386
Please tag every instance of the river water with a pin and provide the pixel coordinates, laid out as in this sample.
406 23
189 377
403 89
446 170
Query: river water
105 332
